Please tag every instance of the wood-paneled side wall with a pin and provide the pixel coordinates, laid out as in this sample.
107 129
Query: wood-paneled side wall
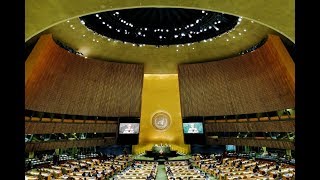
258 81
41 146
271 126
65 83
252 142
49 127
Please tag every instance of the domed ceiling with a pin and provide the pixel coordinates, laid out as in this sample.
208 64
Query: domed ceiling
160 38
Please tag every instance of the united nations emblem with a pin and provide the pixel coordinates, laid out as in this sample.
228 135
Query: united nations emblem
161 120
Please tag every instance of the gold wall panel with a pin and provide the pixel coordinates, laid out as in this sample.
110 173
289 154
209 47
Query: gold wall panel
160 93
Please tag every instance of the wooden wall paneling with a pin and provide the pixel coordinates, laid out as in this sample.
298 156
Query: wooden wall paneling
252 142
66 144
65 83
278 126
48 128
258 81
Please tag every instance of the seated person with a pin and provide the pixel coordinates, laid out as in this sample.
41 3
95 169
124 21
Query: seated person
192 129
128 129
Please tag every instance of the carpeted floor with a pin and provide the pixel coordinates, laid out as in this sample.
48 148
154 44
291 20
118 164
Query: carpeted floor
161 173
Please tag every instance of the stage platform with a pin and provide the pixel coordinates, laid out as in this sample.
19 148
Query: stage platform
142 157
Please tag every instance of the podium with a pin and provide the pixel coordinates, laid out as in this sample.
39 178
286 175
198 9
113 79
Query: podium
161 152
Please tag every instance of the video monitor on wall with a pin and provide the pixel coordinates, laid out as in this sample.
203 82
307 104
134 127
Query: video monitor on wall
129 128
193 128
230 147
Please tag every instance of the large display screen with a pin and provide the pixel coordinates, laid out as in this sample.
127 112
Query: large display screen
230 147
129 128
193 128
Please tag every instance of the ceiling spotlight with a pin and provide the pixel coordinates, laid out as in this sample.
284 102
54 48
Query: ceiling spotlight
139 33
197 21
109 39
182 34
145 29
117 12
160 37
203 11
210 27
68 21
227 40
188 44
97 15
219 21
167 30
103 22
191 25
82 22
189 35
177 50
240 34
233 37
175 29
244 30
133 45
175 36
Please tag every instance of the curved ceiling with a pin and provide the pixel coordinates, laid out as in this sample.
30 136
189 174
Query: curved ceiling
278 15
61 20
160 26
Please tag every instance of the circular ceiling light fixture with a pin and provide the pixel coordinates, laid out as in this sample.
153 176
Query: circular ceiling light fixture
147 25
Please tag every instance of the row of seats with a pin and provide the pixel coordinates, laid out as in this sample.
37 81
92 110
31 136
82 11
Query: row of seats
183 170
81 169
241 168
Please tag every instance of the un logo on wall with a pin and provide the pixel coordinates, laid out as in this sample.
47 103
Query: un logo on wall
161 120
